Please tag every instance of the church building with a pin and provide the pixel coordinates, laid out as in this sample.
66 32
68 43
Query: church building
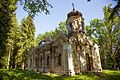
69 54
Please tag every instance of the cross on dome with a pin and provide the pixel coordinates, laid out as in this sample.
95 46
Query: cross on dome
73 6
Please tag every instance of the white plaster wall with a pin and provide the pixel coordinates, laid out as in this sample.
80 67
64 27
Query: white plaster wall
96 59
70 60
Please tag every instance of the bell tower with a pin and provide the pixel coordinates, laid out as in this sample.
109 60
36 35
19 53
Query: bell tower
75 21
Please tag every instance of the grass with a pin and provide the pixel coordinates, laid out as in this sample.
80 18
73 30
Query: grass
30 75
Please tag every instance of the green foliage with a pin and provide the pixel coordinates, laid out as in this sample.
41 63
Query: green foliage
22 75
26 40
8 27
62 27
52 34
111 35
14 42
35 6
106 33
10 41
115 10
30 75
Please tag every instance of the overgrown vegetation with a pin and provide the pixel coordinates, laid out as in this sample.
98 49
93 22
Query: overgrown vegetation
16 41
30 75
106 33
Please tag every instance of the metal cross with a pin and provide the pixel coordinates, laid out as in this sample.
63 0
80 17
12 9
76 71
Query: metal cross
73 6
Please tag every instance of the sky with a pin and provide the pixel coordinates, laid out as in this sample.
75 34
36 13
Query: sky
43 23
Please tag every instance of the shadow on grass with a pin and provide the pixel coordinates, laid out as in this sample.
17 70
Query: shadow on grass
113 75
22 75
30 75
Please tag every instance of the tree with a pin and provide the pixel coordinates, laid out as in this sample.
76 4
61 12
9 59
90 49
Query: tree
7 12
115 10
62 27
111 33
96 30
8 27
27 32
35 6
106 34
14 30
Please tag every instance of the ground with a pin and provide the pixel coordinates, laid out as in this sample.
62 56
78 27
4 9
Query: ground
30 75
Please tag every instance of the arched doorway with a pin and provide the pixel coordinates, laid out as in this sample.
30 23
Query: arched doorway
88 65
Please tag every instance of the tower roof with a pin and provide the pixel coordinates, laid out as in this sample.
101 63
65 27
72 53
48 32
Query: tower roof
74 13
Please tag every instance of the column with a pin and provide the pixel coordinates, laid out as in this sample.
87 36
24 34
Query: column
68 61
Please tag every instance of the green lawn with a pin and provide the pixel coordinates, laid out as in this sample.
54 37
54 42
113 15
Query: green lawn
30 75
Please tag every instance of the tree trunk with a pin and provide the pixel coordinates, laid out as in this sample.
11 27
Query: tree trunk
8 63
13 63
23 65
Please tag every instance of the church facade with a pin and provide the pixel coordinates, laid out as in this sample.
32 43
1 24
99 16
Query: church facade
70 53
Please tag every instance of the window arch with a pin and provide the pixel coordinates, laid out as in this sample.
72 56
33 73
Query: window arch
36 63
71 26
59 59
41 61
48 60
88 62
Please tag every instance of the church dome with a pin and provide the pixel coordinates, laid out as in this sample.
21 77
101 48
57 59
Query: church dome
74 13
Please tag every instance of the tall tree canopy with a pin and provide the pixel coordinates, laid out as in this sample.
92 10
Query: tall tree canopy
106 33
27 32
8 27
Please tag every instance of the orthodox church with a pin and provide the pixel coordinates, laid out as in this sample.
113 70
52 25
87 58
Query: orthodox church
69 54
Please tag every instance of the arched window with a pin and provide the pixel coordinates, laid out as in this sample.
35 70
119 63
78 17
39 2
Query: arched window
71 26
48 60
41 61
82 23
88 62
59 59
35 61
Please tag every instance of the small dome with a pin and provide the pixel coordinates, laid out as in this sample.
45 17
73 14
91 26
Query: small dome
74 13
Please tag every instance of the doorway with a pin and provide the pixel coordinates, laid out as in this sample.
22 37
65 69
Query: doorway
88 62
